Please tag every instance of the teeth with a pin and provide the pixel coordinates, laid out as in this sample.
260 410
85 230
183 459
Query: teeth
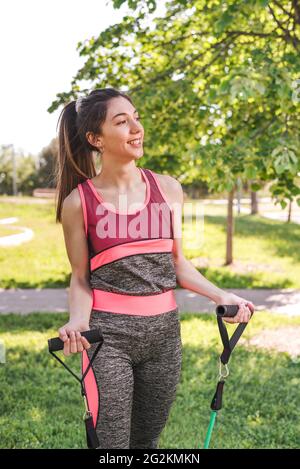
135 141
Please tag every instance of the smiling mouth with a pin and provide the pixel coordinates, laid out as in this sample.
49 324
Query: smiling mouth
135 143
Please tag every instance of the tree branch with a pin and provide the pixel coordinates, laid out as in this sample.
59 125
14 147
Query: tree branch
283 9
296 6
183 64
255 34
279 24
287 35
263 128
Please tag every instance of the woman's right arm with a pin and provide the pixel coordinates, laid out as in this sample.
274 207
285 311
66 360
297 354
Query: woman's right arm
80 298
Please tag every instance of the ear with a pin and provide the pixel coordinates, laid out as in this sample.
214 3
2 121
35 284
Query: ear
93 139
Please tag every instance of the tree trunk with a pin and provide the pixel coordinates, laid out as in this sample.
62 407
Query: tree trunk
239 195
290 212
230 228
254 203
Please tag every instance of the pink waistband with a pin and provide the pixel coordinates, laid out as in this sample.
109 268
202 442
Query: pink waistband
148 305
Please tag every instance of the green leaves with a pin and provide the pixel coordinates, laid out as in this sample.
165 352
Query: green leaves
250 172
224 21
285 159
133 4
262 3
243 83
255 186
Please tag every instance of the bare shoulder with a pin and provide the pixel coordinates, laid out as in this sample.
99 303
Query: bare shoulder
171 187
71 205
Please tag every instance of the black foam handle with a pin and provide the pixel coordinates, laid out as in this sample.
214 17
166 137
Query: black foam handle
216 403
227 311
91 336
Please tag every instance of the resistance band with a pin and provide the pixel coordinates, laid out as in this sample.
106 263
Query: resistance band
92 336
228 344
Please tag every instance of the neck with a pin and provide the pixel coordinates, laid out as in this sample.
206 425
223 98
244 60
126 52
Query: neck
123 177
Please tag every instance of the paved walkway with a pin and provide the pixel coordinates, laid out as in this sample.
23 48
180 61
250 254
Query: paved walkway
26 234
24 301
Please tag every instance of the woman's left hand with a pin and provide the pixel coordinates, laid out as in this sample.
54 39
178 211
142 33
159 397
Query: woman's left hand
245 311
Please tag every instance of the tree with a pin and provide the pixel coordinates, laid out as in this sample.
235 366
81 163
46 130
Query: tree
215 84
46 164
23 173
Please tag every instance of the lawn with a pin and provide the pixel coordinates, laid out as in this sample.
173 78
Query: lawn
266 252
41 405
41 262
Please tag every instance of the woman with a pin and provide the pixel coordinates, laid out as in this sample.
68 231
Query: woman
125 261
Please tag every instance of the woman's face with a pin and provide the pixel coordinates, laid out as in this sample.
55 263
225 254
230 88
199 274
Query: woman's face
122 125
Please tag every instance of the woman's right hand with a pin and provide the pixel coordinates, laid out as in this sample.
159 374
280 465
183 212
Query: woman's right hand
74 342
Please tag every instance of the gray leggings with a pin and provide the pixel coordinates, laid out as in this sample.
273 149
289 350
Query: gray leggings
137 371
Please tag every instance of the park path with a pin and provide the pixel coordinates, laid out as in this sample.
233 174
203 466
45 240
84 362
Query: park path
25 301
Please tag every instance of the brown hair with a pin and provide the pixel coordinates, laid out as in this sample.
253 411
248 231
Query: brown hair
75 161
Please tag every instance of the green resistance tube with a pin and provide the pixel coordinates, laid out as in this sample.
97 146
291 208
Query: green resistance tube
210 428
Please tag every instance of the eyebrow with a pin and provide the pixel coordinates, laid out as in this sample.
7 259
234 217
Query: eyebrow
123 114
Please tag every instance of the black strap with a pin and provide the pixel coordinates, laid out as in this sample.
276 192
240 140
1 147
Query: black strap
91 435
88 367
229 344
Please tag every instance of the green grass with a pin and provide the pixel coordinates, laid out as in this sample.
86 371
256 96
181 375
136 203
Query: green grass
41 405
41 262
5 231
270 246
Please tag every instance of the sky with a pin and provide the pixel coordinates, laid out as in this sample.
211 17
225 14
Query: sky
38 59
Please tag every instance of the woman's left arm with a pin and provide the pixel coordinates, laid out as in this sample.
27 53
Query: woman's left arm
186 273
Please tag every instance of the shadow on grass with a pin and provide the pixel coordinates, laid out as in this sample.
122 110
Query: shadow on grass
226 279
271 230
62 282
38 322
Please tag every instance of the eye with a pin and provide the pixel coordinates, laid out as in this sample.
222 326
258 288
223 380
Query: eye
122 122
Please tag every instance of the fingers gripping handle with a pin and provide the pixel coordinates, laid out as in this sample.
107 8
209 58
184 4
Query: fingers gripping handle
91 336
